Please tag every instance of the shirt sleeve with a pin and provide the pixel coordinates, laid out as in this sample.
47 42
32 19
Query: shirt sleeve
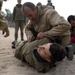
58 23
28 28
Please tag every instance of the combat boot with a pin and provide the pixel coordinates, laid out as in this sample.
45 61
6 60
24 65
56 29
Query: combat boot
69 52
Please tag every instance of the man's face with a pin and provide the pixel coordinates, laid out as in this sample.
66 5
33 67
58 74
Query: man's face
72 23
44 51
19 1
30 14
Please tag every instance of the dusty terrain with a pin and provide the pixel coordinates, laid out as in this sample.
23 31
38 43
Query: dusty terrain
9 65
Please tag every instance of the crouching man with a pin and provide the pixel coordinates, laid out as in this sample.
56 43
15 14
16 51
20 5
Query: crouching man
40 54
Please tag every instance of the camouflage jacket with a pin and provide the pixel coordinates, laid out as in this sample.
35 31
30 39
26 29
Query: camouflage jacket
49 22
24 51
17 13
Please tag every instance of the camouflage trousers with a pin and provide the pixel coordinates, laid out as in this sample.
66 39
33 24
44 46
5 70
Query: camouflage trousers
19 24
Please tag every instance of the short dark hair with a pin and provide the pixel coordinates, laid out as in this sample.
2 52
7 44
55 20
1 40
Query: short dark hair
58 53
28 4
70 17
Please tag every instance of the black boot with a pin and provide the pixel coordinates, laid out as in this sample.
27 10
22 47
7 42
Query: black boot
14 44
69 50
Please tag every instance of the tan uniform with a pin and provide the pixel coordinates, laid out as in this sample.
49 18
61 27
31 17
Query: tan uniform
3 21
52 24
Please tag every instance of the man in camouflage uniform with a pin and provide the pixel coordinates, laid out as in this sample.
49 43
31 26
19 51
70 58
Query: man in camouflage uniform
46 23
3 21
18 19
42 55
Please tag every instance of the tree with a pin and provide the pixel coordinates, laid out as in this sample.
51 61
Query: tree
8 15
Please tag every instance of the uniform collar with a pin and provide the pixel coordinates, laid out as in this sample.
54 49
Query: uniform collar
38 57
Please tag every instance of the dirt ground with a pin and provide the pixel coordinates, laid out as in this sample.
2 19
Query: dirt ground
9 65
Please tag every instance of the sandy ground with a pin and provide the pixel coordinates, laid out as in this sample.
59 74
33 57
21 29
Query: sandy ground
9 65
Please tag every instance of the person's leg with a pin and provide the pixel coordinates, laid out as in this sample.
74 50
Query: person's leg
69 52
18 52
73 44
16 29
15 34
68 47
21 29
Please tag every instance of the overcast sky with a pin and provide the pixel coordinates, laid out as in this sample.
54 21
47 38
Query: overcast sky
63 7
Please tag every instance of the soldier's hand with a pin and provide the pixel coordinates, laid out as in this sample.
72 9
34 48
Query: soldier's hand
29 38
5 32
40 35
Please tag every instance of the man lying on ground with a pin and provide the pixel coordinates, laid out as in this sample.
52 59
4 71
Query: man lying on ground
40 54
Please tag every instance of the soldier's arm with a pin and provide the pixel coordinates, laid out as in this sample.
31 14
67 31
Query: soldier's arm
28 29
58 23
